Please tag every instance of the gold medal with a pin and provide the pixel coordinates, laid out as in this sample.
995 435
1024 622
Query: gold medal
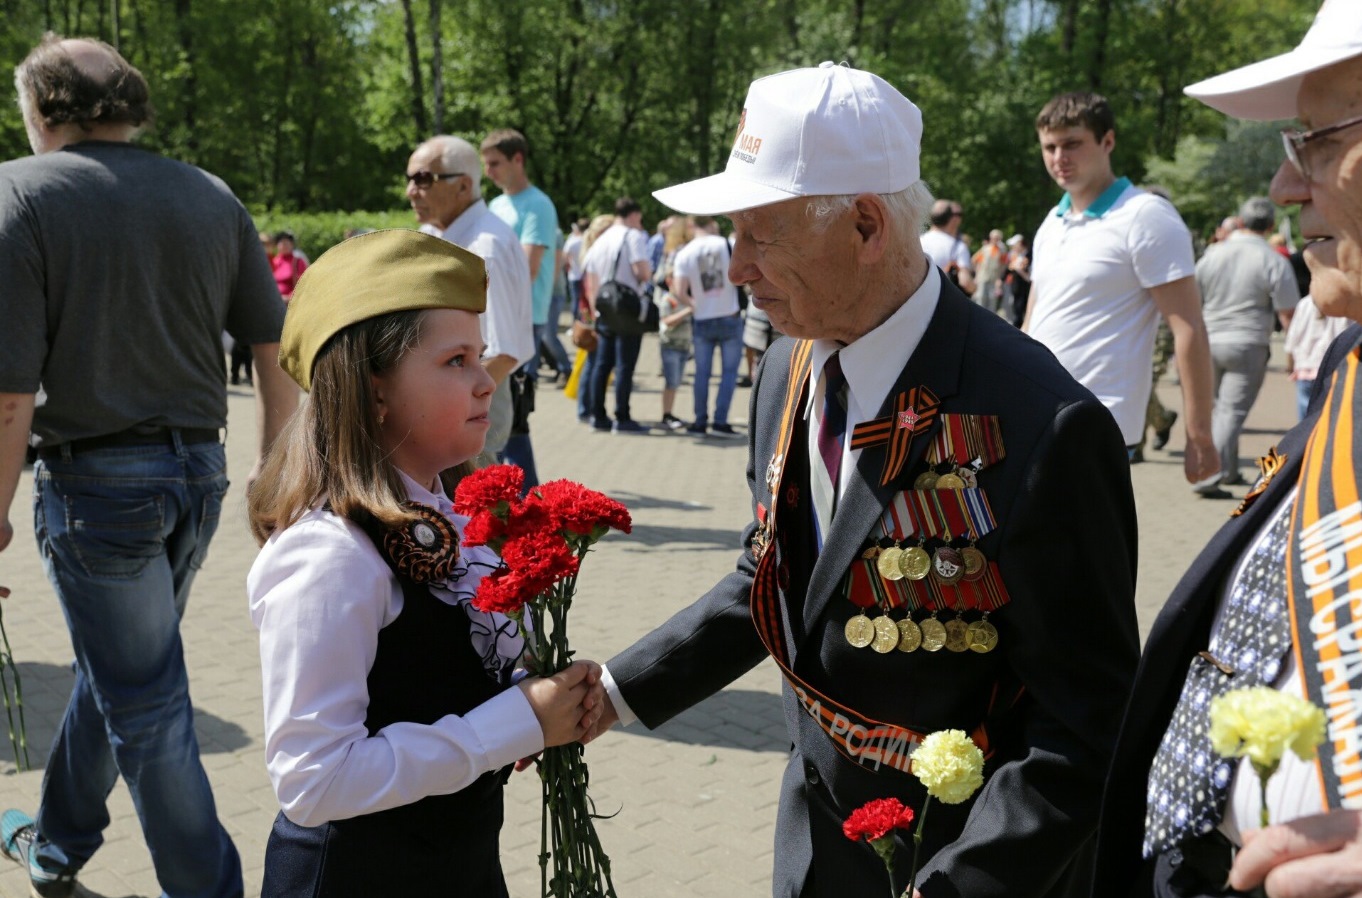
933 634
983 637
948 566
886 634
976 564
957 636
890 563
949 482
925 481
915 563
910 635
860 632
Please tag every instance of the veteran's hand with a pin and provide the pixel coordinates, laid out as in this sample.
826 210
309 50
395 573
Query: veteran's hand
1313 857
607 719
1200 459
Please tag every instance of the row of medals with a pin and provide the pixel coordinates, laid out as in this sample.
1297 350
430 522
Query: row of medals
884 634
949 566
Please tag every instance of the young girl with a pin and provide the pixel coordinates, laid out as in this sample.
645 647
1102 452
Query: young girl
390 715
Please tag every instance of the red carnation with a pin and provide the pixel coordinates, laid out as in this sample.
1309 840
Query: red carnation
583 511
484 529
536 562
876 819
499 592
532 518
488 487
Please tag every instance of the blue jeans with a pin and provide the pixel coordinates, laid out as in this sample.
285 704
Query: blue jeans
724 334
585 406
616 353
122 531
546 336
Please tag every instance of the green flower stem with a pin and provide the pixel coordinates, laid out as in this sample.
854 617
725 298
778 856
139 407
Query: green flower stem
917 846
1264 774
19 741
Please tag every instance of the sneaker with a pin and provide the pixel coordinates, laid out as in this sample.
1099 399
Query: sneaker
17 832
744 381
1163 433
603 425
697 428
628 426
673 423
726 431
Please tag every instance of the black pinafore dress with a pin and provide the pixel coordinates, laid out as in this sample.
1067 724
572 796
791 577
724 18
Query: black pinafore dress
443 845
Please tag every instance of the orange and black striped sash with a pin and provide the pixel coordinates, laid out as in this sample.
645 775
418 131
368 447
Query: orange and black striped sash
1324 585
870 743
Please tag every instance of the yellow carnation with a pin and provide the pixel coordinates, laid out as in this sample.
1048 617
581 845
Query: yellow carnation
949 765
1262 724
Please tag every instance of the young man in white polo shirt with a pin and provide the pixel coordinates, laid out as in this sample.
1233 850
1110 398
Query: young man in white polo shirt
1106 262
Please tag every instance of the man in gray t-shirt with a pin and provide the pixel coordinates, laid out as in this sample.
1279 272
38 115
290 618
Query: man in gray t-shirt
1244 283
121 269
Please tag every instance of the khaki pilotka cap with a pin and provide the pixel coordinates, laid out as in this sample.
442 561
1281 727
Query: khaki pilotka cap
396 270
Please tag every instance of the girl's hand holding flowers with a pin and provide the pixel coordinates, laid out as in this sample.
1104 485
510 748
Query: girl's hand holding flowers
566 704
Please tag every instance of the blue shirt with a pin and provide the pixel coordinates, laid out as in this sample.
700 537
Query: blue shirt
531 214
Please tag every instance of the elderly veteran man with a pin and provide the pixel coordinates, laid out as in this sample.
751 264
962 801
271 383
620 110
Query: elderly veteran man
943 529
1272 600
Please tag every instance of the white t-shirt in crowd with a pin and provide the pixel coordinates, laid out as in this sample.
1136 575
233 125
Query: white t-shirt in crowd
943 249
704 264
572 250
607 248
508 324
1091 273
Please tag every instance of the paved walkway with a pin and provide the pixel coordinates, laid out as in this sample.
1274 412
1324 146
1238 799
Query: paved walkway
696 800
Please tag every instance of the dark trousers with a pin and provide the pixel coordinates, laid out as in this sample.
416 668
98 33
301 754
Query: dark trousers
617 353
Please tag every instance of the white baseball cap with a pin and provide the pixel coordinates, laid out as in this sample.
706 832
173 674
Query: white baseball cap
1266 91
829 130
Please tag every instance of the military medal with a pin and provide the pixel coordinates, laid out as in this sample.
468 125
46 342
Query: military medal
886 634
860 631
976 565
950 481
948 566
910 635
925 481
983 636
933 634
915 563
773 471
890 564
957 636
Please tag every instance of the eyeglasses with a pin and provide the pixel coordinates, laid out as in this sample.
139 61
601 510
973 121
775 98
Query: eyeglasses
1295 141
423 179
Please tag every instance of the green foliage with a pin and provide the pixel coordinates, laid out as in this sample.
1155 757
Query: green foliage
311 105
316 232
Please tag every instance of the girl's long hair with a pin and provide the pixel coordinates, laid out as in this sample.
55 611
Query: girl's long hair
331 447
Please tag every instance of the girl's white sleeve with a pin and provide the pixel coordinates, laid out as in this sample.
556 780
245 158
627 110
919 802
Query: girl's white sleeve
319 594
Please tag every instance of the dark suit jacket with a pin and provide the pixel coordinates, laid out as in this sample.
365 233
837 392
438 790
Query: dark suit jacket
1181 630
1065 544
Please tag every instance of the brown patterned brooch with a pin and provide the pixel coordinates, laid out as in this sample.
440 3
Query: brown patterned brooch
423 550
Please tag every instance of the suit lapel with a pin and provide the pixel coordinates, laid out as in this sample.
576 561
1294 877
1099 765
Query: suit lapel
935 364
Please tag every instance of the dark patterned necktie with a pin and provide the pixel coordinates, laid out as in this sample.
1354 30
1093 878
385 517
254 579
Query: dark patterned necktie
1188 783
832 430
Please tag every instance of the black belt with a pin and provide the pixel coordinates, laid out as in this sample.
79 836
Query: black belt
140 436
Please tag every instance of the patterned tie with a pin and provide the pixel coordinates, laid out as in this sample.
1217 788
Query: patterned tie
1189 783
832 429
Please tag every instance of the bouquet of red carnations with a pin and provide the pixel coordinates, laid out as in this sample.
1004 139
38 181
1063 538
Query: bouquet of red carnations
542 539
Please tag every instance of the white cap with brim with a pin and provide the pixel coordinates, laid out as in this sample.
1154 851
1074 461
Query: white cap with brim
830 130
1266 91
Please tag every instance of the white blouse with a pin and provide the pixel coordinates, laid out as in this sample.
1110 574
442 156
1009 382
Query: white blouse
319 594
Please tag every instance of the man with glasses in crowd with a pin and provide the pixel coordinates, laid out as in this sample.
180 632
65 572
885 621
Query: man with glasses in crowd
444 187
1271 602
1106 262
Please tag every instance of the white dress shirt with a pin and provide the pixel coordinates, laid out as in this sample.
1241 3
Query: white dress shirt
871 364
508 323
319 595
